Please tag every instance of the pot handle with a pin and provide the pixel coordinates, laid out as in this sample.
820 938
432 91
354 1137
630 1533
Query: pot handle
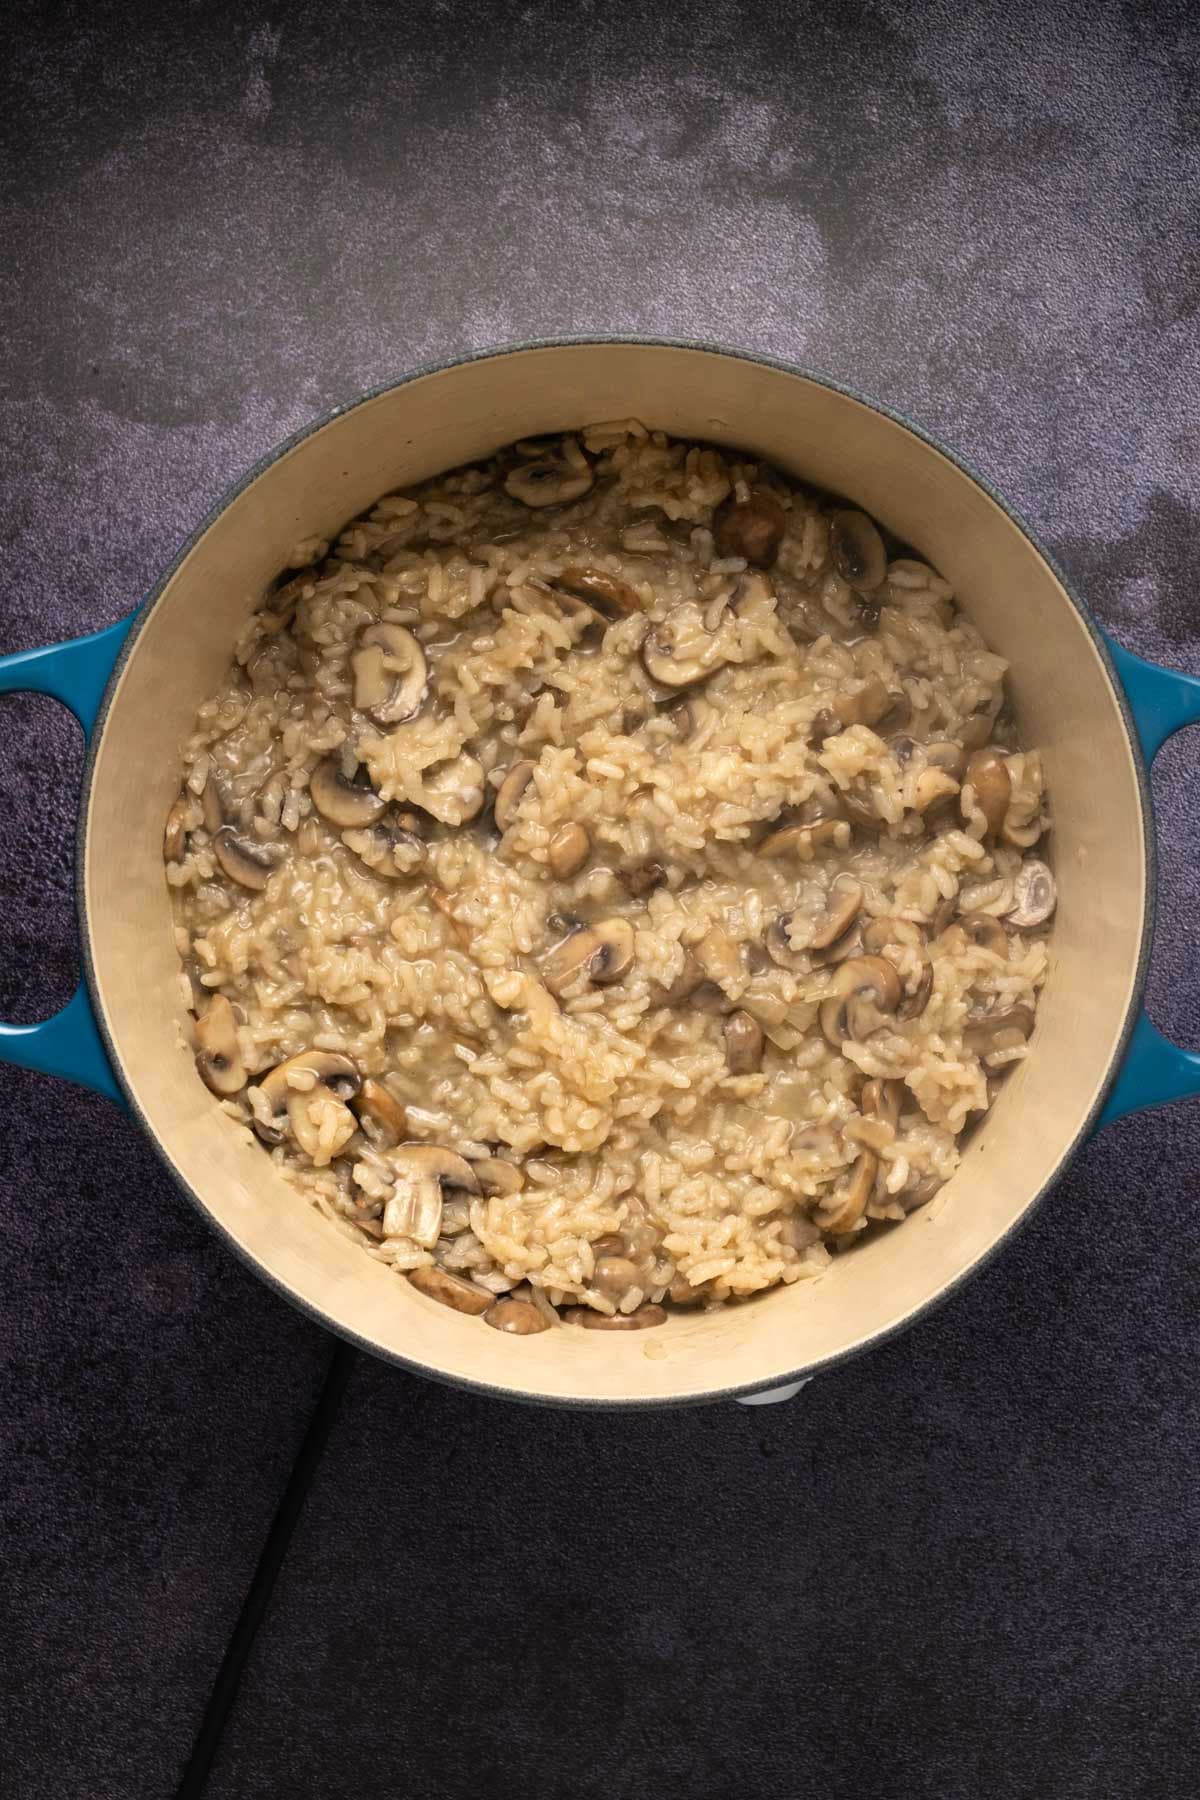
77 673
1155 1070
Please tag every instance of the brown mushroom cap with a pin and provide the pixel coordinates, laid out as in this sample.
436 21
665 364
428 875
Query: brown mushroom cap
867 705
495 1176
744 1044
349 802
1035 895
600 953
988 777
391 674
219 1058
866 992
680 650
327 1067
845 1206
568 850
856 550
244 862
799 839
779 945
212 806
639 1320
376 1104
980 929
552 480
508 794
607 594
520 1317
752 528
882 1100
451 1290
943 754
842 907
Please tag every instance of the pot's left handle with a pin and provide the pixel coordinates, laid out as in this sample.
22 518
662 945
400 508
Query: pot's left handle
1155 1070
77 673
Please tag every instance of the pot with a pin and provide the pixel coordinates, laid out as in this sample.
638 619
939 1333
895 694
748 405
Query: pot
1098 713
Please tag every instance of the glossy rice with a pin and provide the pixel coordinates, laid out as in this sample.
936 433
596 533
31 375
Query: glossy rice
723 974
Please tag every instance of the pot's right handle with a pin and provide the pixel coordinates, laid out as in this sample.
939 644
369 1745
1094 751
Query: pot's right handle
1155 1070
77 673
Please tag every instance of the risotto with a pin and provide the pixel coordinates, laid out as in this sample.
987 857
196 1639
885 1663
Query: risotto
606 881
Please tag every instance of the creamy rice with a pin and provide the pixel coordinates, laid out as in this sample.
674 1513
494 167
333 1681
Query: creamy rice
635 849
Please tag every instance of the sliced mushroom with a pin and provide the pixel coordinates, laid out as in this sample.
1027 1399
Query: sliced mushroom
568 850
508 794
845 1206
600 953
914 1004
349 802
375 1104
988 778
998 1031
553 480
980 929
639 1320
943 913
752 528
826 724
607 594
219 1059
496 1176
866 992
881 1100
856 550
390 674
414 1206
779 946
1036 895
247 864
175 832
743 1044
644 879
614 1275
842 907
802 840
849 944
520 1317
868 705
212 806
931 786
326 1067
680 651
451 1290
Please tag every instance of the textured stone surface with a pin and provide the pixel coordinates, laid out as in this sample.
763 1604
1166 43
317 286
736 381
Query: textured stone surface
961 1565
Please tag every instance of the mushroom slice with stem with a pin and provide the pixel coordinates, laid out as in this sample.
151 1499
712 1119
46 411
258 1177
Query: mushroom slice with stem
780 948
520 1317
856 550
390 674
641 1319
326 1068
679 651
568 850
349 802
420 1172
219 1059
451 1290
987 777
842 907
752 528
247 864
508 794
997 1031
600 953
866 992
606 594
980 929
1036 895
743 1044
382 1114
552 480
320 1123
685 984
845 1206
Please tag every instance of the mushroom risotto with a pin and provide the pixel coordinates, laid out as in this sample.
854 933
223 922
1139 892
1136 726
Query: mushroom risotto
607 880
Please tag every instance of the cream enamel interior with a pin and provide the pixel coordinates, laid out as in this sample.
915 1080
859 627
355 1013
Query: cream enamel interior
1065 703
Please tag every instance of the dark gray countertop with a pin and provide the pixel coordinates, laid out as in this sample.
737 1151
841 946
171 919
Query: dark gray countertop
964 1565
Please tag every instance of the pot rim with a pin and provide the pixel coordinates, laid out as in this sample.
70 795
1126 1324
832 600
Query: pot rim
602 340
